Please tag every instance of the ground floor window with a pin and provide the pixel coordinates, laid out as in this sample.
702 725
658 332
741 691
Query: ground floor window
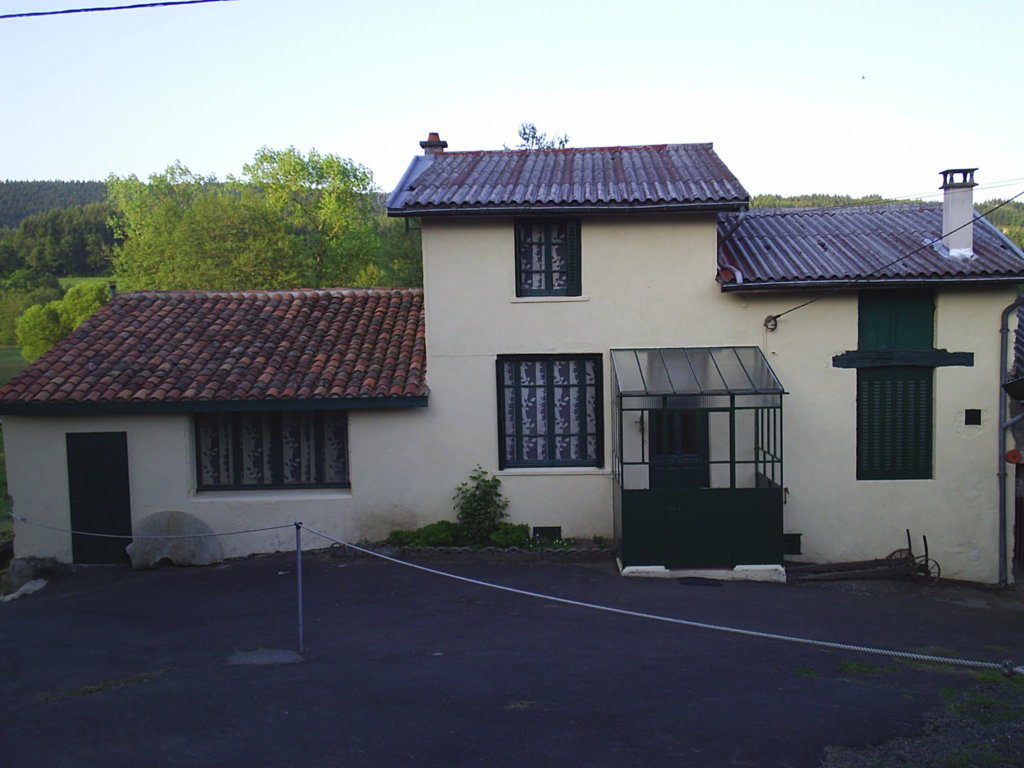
549 410
275 449
894 423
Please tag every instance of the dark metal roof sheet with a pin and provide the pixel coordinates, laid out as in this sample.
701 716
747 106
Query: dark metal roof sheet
799 247
657 177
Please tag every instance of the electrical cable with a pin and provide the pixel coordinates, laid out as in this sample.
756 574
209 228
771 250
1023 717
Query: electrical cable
132 7
773 319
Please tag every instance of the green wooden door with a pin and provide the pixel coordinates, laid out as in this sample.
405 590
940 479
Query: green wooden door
98 494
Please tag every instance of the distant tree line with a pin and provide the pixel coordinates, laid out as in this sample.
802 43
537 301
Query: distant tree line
19 199
813 201
73 241
1009 218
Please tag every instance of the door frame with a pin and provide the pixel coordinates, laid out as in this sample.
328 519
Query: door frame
99 496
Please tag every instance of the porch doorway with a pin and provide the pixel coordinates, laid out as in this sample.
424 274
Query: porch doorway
679 449
98 492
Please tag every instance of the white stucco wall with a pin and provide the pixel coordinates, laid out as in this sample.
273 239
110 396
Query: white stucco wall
842 518
650 282
387 471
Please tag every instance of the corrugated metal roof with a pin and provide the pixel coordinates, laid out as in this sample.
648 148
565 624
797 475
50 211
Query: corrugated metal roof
658 177
694 371
797 247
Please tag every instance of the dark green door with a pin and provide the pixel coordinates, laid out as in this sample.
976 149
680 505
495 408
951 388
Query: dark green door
679 449
98 492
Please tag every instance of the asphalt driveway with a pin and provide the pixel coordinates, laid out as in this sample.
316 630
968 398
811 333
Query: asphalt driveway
112 667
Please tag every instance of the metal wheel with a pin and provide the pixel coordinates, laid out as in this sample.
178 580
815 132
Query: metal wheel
899 554
926 571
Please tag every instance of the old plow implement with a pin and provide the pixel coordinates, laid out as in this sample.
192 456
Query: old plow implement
900 563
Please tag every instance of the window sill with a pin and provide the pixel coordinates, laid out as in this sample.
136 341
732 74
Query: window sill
553 471
546 299
256 495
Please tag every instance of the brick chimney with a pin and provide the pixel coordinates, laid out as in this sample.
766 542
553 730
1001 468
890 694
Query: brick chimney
958 210
433 144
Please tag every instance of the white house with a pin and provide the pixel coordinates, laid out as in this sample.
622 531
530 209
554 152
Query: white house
612 332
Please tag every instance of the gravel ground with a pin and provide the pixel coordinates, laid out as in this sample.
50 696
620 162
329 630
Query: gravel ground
981 726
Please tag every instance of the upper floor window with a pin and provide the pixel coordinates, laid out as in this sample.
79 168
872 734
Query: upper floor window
547 257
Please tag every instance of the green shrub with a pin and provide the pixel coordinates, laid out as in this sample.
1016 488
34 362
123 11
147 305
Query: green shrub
480 506
511 535
401 538
443 533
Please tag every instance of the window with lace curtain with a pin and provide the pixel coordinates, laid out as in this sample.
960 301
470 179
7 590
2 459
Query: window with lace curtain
547 257
276 449
550 411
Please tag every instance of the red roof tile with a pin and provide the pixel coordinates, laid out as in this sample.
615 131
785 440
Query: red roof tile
179 347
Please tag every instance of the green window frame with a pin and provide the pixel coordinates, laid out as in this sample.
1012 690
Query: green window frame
550 411
267 450
548 257
895 403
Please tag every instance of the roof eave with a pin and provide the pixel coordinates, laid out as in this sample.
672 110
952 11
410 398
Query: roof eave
854 283
492 210
64 408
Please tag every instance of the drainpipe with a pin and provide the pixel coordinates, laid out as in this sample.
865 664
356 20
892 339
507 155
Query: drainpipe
1004 424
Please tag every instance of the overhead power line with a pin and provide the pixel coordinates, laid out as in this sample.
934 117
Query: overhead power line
132 7
772 320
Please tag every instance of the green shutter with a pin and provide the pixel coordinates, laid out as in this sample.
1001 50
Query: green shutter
894 423
572 237
902 319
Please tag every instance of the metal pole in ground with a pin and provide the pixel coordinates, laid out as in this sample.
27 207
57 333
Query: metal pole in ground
298 572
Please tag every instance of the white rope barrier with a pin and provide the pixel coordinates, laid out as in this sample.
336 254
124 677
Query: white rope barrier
26 521
1006 667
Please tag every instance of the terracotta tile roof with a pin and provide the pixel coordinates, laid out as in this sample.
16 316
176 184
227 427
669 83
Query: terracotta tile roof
184 349
657 177
798 247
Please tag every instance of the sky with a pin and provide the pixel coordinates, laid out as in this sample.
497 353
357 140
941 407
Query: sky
798 97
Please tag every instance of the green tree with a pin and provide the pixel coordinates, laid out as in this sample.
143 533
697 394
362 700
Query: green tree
530 137
37 329
42 325
326 203
290 221
18 292
208 239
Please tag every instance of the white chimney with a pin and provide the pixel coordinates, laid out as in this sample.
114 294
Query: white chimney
958 211
433 144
